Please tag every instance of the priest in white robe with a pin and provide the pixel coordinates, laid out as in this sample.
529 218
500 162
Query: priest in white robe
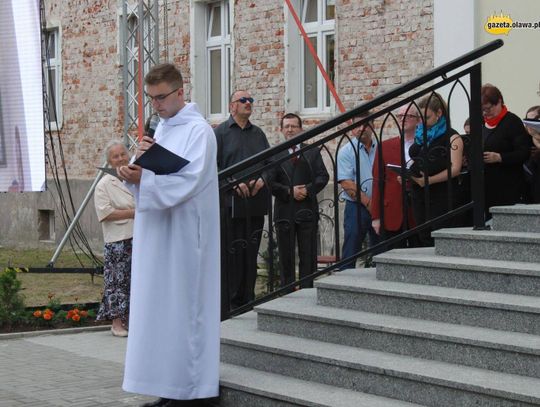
173 342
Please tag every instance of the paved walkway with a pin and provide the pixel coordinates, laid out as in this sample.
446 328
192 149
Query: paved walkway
79 370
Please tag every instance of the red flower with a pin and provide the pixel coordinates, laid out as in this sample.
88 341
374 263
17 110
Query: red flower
76 317
47 316
84 314
37 314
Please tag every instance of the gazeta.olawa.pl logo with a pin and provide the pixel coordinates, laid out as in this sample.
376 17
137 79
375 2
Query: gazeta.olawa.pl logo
501 24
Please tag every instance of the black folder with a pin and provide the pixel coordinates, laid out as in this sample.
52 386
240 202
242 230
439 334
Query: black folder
161 161
253 206
406 172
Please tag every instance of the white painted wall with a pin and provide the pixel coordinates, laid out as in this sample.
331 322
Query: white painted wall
454 35
514 68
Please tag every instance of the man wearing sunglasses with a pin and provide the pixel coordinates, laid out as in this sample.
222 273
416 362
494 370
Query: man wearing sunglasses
173 342
244 207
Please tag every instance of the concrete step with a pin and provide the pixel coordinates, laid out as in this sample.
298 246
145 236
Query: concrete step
423 266
420 381
488 244
241 386
517 218
299 315
360 290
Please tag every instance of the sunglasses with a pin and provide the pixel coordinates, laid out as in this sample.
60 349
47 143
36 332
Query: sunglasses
244 100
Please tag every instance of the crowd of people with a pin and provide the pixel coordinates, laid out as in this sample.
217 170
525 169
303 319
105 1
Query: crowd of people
160 230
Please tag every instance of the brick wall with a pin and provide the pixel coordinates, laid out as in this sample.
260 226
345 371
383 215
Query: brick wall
259 60
380 44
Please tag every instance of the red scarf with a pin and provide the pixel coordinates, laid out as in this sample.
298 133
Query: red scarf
494 121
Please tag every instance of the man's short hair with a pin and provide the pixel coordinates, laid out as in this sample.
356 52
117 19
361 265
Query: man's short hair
290 116
231 97
164 73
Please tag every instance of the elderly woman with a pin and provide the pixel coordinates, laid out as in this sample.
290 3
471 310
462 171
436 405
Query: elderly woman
532 165
115 210
435 143
506 147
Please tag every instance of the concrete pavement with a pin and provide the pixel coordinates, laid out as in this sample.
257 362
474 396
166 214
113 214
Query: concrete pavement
70 369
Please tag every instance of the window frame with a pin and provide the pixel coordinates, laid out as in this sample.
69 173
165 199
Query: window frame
56 65
319 29
294 58
223 44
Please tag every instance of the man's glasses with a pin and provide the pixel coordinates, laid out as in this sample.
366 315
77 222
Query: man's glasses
291 126
244 100
160 98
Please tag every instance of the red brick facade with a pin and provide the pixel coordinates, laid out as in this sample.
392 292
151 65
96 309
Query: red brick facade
379 44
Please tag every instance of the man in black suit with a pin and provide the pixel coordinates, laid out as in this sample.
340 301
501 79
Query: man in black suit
295 185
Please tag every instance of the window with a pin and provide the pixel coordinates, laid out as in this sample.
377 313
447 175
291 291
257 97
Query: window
218 57
46 225
318 21
53 78
309 92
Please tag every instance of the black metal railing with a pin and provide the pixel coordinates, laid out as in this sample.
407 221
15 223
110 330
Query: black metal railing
461 196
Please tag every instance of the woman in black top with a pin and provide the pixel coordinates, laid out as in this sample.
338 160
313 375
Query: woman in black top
506 147
437 151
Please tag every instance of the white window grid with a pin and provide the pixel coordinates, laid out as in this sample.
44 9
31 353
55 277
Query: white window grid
54 77
321 30
222 43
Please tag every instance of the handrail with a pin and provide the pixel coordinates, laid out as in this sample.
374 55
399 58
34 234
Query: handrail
263 163
377 101
370 250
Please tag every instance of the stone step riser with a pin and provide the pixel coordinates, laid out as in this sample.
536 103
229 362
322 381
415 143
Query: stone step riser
514 222
449 312
505 361
364 379
465 279
234 398
488 249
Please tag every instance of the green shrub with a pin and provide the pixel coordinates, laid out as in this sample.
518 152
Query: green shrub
11 300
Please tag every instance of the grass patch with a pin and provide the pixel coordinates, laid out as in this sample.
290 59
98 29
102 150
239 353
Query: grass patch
66 287
40 258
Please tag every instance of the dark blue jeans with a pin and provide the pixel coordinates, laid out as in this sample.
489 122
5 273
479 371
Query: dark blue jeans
356 225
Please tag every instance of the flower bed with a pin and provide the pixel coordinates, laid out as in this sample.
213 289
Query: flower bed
14 317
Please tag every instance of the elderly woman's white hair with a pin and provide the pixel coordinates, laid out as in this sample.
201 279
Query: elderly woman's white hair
110 145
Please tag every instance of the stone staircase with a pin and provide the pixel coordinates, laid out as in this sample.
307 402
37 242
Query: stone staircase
455 325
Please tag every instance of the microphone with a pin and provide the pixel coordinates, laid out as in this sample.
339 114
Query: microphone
152 125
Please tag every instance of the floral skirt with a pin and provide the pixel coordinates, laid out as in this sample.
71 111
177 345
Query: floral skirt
117 281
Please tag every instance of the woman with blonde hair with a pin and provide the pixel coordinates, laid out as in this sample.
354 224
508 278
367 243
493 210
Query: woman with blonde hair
436 145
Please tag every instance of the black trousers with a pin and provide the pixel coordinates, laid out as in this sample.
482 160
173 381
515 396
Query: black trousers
288 235
438 205
240 241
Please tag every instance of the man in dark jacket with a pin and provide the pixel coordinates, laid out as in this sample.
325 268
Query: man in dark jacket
295 185
242 209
